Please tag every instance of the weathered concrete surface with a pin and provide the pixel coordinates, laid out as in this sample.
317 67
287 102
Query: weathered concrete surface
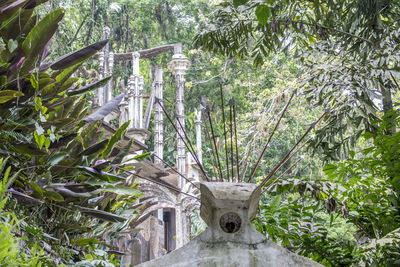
230 239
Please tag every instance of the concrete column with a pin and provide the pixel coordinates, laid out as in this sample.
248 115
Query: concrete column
106 68
109 72
178 65
141 89
198 136
131 102
158 116
179 226
135 82
100 91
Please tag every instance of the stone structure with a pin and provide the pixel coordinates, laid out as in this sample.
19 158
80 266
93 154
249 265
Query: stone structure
230 239
165 222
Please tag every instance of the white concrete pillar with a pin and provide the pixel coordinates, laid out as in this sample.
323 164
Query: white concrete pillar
131 102
141 89
106 65
158 116
197 122
110 72
178 65
100 91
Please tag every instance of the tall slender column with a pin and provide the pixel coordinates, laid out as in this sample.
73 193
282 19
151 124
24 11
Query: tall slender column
124 106
100 91
141 89
135 82
179 64
109 72
198 135
106 68
158 116
131 103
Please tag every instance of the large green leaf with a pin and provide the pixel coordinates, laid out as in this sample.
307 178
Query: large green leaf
89 87
53 195
77 57
27 150
96 148
115 138
262 14
7 95
103 215
8 11
125 151
12 28
105 110
123 190
39 36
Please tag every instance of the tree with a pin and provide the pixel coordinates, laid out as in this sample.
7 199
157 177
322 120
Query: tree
57 167
359 38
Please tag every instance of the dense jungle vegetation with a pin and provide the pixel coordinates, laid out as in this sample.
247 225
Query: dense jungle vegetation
337 201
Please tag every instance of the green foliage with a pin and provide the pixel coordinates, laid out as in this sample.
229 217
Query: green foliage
46 133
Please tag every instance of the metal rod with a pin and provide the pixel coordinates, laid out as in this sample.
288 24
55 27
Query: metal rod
172 168
194 153
165 185
223 119
231 131
207 134
237 153
280 176
215 145
288 154
270 138
176 129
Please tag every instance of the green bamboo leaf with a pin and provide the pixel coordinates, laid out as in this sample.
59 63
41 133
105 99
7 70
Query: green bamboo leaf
7 95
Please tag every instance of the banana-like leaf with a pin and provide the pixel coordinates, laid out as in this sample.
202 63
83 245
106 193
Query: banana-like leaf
89 87
123 190
53 195
115 138
66 74
8 11
105 110
96 148
39 36
105 176
24 198
125 151
103 215
77 57
7 95
86 241
12 28
27 149
54 160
